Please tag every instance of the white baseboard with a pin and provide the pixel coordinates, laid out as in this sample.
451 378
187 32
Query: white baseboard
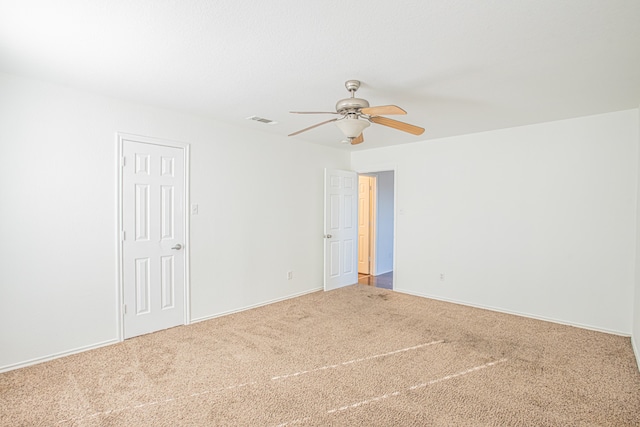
636 351
378 273
249 307
56 355
47 358
516 313
115 341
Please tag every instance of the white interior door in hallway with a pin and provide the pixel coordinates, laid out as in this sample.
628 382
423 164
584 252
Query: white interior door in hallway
340 228
153 236
366 223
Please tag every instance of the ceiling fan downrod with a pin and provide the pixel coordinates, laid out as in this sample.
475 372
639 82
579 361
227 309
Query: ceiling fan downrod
351 105
352 86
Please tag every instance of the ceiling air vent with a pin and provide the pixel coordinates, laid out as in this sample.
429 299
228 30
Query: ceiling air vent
262 120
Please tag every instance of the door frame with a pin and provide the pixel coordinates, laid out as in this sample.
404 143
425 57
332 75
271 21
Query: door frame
120 138
387 168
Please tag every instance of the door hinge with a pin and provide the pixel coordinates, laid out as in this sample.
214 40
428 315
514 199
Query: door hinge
123 235
123 161
124 308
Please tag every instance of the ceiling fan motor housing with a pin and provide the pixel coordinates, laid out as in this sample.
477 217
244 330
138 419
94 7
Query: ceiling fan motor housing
351 105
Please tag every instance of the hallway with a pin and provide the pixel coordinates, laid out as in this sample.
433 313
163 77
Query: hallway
384 281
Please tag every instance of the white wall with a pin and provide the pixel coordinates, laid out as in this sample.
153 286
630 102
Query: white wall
260 215
536 220
384 222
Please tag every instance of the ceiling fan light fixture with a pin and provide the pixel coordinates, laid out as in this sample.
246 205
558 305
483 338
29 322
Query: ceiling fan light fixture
352 128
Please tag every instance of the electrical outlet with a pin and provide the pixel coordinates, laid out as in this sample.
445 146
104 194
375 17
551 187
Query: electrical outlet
289 275
442 277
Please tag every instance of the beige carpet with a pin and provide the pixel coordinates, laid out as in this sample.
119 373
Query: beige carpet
357 356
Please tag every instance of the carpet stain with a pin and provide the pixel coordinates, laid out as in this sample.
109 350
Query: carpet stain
383 297
163 359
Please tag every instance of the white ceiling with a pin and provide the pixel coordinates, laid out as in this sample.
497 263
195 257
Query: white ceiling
456 66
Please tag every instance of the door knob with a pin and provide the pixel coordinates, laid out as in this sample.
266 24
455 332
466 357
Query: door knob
328 236
177 247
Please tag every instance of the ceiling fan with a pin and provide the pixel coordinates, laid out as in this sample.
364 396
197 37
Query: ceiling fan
357 115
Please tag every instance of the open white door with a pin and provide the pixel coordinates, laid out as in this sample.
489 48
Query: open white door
340 228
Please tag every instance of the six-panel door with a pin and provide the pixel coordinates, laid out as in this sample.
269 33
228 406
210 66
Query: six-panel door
154 226
341 228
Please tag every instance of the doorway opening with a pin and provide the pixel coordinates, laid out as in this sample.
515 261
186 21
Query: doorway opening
376 228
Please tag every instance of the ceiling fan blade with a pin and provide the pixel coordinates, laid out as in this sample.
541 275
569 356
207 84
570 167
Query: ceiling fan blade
405 127
315 112
314 126
383 109
358 140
